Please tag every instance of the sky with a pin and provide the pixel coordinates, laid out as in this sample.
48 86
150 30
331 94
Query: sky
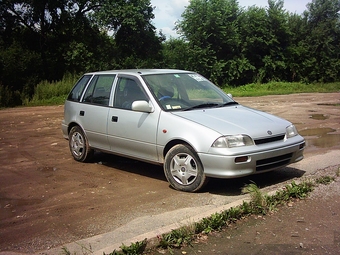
167 12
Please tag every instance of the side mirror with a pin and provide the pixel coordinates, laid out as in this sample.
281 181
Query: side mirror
230 95
141 106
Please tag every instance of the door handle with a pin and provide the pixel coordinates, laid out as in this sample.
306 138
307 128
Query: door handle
114 119
82 113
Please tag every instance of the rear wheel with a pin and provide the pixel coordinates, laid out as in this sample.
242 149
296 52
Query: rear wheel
183 169
79 145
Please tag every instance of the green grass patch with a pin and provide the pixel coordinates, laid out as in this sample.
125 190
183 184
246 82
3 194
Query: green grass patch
51 93
281 88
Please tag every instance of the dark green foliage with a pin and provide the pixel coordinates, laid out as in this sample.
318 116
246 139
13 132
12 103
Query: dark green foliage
43 40
235 46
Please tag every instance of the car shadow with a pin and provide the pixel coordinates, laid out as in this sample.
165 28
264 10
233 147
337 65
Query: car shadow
233 187
130 165
224 187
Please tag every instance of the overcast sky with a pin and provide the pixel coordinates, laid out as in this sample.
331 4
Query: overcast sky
167 12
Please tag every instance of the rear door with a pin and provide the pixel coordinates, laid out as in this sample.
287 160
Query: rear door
93 112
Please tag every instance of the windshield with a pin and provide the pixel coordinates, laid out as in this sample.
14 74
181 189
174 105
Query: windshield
185 91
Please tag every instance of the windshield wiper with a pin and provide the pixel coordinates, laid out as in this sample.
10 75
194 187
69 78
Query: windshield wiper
205 105
229 103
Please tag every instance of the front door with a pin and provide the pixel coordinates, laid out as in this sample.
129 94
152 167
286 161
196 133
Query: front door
132 133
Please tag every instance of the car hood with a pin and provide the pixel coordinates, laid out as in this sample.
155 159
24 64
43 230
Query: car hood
238 119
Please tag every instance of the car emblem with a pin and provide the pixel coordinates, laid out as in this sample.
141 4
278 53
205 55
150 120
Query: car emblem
269 132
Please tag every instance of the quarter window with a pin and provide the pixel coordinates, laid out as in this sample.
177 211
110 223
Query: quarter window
78 89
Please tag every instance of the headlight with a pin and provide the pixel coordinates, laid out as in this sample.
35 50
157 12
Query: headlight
231 141
291 131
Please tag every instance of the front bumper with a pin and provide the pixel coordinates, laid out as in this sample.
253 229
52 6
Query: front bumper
223 166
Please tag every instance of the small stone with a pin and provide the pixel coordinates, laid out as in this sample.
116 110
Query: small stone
301 245
295 234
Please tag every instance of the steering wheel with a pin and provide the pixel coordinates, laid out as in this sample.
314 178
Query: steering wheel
164 97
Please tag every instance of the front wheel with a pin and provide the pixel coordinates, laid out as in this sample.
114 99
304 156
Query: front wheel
79 145
183 169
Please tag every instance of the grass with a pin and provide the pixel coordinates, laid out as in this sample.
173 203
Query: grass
281 88
51 93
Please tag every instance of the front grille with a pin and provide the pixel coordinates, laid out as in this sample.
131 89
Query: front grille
269 139
275 162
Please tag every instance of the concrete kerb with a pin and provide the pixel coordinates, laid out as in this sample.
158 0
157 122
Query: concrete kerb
152 236
94 245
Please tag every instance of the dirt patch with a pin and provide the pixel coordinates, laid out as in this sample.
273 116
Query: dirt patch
47 199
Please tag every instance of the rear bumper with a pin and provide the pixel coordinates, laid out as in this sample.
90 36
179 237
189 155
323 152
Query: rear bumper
64 129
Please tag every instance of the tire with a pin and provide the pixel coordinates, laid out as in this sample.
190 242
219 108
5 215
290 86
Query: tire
183 169
79 145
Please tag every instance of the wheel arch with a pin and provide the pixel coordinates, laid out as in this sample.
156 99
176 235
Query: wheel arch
73 124
174 142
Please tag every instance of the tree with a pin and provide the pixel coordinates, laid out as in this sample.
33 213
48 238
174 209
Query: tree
176 54
322 62
134 34
211 29
297 49
44 39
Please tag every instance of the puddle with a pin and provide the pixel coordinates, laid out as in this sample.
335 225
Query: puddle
322 138
316 131
318 117
325 141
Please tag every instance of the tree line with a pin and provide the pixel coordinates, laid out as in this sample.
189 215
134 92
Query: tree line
44 40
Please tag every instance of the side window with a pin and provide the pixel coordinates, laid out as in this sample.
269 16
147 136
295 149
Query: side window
99 90
128 91
78 89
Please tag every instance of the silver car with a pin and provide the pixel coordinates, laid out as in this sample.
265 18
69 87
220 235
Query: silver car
178 119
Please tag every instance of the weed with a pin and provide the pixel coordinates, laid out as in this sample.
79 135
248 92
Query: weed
65 251
214 222
324 180
178 237
134 249
84 249
299 190
258 203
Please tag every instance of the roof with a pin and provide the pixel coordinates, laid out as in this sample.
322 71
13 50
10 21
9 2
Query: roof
140 71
